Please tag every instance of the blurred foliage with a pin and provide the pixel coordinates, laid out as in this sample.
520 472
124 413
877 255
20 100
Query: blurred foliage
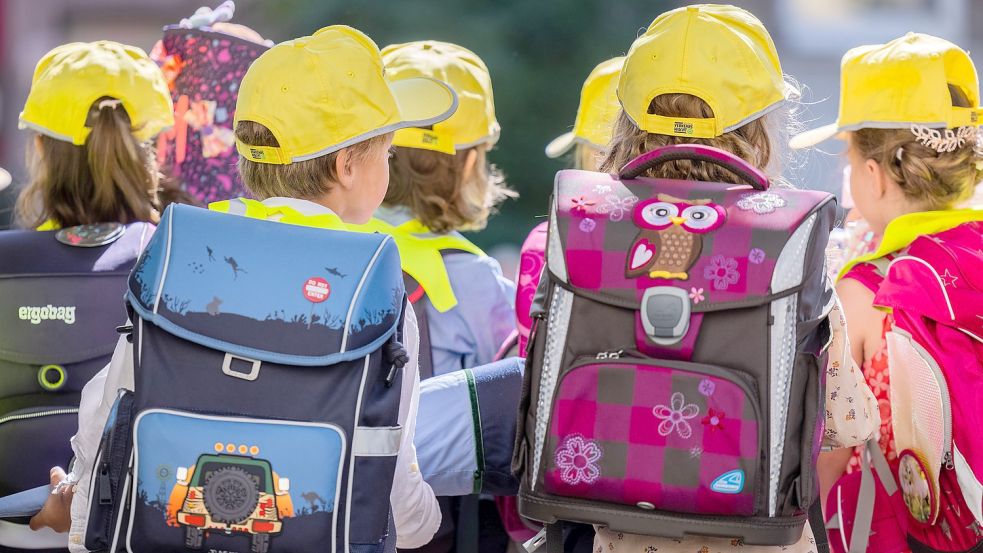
538 51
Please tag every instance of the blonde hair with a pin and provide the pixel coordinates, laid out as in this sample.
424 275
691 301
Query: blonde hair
933 180
113 177
305 180
432 184
751 142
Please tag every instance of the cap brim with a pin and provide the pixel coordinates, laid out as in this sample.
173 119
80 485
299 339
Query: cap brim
814 136
4 178
422 101
560 145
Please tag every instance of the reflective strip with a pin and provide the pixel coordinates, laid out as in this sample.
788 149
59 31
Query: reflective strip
378 441
970 487
790 266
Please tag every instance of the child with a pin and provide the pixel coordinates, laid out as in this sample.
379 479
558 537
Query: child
711 108
907 172
441 183
93 107
317 159
595 114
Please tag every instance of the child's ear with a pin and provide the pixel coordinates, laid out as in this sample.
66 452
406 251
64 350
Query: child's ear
877 177
469 164
343 168
38 149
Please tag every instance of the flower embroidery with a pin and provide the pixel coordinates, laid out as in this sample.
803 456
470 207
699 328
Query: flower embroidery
695 452
588 225
602 188
722 271
581 204
756 256
761 203
577 459
714 419
696 294
707 387
617 206
675 417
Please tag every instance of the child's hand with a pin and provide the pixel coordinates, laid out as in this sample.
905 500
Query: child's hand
57 511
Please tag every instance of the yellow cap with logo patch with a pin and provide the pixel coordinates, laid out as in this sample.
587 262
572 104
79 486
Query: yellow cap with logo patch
70 78
910 80
596 112
721 54
321 93
474 121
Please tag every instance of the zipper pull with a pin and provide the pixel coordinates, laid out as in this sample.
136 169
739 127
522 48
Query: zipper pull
105 487
610 354
947 460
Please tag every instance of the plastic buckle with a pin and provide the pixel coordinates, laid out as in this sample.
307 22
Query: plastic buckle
253 373
665 314
535 542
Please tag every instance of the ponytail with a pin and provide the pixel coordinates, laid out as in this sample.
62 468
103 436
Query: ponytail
112 178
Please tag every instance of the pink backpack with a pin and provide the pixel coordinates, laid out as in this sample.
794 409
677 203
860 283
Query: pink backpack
531 262
934 291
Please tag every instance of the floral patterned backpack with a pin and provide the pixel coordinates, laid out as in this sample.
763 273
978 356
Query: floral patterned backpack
673 384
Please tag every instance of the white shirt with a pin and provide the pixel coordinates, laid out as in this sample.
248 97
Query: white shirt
414 507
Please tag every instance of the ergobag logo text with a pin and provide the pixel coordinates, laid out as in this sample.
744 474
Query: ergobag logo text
36 315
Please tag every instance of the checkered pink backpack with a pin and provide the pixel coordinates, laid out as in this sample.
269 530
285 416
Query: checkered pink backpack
673 383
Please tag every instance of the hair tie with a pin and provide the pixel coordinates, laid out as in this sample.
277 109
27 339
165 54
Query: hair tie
897 154
109 103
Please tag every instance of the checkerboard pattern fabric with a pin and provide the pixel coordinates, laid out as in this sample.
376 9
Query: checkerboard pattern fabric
680 438
596 228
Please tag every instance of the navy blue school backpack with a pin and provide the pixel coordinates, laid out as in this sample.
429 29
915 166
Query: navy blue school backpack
267 390
60 305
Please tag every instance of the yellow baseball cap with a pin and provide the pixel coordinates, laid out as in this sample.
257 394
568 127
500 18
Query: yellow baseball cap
596 112
71 77
720 54
474 121
318 94
902 82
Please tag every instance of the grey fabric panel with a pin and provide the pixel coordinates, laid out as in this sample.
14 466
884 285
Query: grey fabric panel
629 519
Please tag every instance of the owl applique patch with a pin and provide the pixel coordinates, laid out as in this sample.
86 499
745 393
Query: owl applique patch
671 236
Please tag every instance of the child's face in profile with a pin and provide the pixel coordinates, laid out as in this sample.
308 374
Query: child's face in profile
862 187
370 174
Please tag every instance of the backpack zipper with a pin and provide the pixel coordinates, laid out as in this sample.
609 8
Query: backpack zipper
39 414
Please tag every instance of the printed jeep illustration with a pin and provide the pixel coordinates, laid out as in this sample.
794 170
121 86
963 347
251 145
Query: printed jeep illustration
231 494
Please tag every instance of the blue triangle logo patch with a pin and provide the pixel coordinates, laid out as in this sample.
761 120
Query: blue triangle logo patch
731 482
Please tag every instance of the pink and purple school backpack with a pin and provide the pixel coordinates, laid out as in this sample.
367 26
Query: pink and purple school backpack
933 290
674 383
203 67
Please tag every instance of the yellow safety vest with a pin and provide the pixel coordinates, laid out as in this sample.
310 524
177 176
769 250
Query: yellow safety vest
903 230
419 248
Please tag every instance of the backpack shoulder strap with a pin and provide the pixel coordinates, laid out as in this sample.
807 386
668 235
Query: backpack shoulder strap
869 273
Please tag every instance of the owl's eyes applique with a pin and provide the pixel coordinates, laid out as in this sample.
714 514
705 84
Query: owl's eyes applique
700 218
656 215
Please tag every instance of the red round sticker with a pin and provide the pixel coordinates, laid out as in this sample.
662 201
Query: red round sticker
316 289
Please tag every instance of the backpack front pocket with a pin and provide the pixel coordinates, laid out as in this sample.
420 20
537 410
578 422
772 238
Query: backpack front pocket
235 484
656 434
